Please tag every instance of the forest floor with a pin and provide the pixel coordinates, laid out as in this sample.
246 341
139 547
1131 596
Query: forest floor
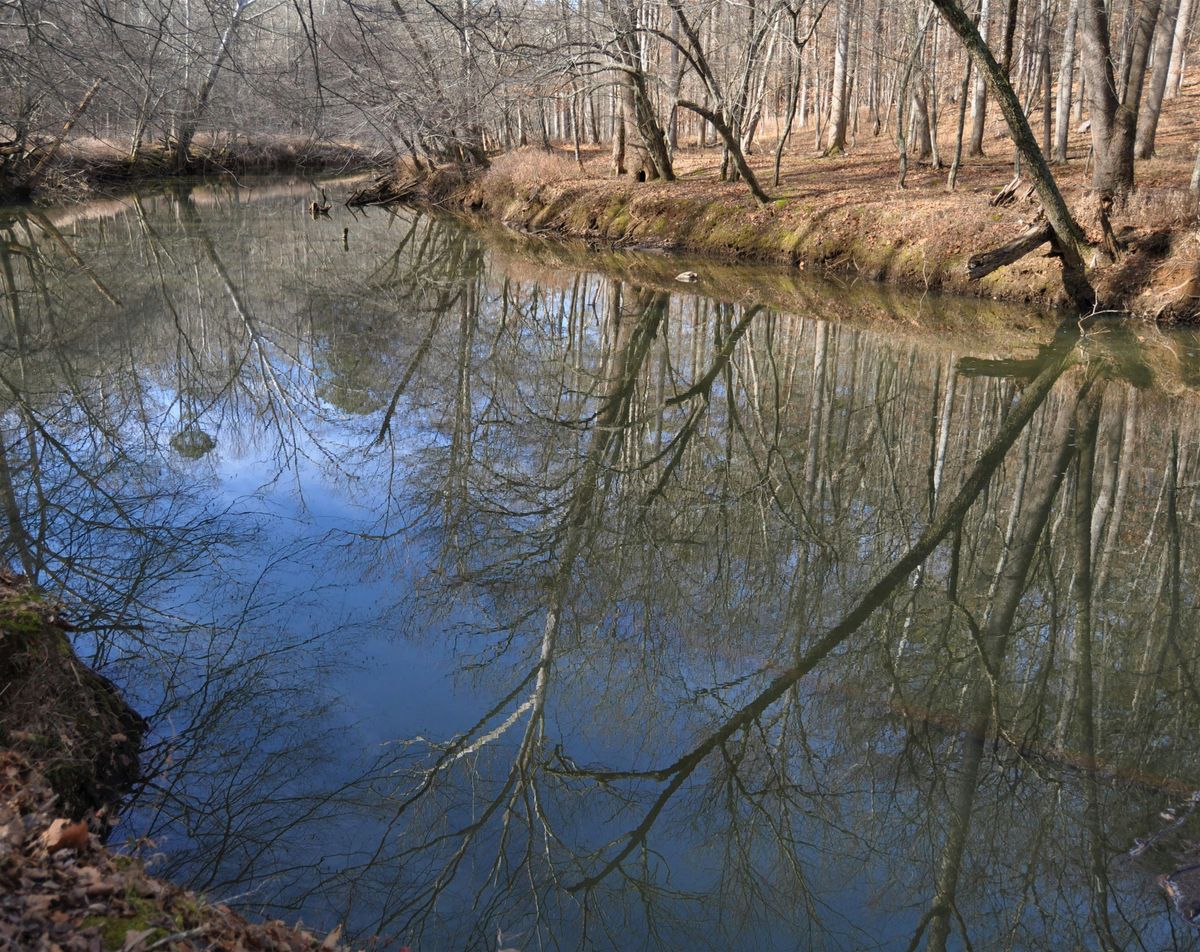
846 214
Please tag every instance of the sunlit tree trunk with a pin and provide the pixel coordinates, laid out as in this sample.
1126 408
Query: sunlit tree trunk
1113 110
979 100
195 111
1164 37
840 94
1179 48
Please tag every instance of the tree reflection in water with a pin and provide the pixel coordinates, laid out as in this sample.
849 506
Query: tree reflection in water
509 594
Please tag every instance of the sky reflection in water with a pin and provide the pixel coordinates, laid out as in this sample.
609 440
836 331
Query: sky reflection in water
479 583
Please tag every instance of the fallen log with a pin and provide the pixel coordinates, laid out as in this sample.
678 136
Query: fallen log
981 265
384 191
36 175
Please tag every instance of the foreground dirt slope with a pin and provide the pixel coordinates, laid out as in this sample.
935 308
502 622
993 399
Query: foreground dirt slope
69 748
57 712
62 891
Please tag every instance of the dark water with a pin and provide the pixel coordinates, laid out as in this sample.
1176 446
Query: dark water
479 584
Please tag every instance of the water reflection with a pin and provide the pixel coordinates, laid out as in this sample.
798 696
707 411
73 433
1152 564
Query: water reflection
479 584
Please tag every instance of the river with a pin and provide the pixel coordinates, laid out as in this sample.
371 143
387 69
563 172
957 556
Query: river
486 591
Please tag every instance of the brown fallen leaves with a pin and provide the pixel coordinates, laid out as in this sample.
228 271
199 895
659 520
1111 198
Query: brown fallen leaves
65 835
62 891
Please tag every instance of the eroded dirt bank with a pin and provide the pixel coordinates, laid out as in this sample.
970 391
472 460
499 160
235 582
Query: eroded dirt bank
68 752
914 239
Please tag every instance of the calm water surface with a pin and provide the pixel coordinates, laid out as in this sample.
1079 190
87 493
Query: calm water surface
480 585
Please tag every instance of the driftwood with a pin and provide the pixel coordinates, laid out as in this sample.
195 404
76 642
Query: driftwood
984 263
384 191
319 208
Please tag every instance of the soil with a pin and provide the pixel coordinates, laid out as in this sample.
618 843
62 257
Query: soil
57 712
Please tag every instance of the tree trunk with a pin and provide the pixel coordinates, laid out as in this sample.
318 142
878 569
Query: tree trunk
1066 76
544 127
919 30
194 113
979 104
1179 48
836 142
1046 80
923 144
789 117
930 87
618 137
876 84
1068 236
648 142
1164 37
1010 33
640 165
676 86
1113 118
952 180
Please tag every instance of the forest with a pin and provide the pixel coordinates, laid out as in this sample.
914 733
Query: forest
1060 105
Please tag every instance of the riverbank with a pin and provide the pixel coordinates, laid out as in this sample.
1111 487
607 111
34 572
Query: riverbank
847 215
69 748
84 168
844 216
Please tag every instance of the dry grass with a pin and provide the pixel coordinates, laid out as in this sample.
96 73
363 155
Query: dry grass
531 166
1158 207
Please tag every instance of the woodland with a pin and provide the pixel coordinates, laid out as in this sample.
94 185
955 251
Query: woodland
1068 95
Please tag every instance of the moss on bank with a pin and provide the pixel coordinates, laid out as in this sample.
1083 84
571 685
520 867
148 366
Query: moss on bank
891 238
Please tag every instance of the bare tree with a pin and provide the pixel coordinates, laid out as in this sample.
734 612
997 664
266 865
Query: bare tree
1113 108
